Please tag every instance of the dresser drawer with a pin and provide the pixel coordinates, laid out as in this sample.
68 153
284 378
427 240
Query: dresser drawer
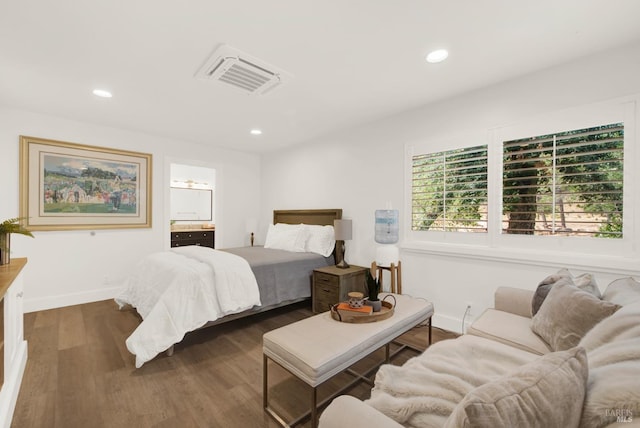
185 242
326 279
204 238
180 236
324 297
324 291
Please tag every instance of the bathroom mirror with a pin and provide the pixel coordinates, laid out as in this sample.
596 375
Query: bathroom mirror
191 204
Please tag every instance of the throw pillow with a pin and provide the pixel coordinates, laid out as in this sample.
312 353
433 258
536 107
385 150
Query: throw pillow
567 314
623 291
289 237
547 392
321 240
585 282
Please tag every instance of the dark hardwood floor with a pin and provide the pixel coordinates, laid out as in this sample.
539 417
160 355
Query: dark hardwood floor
80 374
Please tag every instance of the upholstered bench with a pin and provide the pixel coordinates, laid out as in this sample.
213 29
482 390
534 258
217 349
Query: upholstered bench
317 348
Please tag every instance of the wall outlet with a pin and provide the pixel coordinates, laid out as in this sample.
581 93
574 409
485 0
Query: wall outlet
468 306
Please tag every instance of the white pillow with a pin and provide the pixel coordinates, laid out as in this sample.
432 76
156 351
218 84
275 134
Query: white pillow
321 239
289 237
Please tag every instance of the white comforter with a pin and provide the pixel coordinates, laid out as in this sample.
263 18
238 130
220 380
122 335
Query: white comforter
180 290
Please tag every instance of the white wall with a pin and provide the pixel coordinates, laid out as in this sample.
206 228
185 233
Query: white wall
361 169
71 267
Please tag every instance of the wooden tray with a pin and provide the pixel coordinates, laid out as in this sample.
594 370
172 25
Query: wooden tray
359 318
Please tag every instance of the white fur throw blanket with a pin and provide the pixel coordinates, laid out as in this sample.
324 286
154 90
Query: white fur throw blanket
425 390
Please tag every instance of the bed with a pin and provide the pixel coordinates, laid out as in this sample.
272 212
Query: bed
193 287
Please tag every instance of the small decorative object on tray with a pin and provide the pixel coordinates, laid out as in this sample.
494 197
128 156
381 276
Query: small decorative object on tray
356 299
345 313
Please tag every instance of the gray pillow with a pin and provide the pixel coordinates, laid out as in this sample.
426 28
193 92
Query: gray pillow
567 314
585 282
548 392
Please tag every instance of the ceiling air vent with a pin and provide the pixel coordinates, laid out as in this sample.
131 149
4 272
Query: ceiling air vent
235 68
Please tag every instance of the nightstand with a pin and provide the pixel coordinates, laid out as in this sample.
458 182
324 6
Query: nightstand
331 285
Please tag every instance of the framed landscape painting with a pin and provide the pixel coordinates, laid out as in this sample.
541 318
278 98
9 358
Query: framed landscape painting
66 186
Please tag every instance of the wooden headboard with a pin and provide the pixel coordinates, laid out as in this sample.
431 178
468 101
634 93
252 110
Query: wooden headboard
318 217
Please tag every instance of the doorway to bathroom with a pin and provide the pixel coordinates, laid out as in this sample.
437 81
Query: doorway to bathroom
192 205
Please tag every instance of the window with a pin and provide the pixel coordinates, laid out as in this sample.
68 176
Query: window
449 190
568 183
553 189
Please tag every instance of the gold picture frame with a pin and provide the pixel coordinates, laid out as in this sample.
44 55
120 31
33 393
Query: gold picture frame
68 186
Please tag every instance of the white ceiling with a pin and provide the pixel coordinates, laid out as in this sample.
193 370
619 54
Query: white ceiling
352 61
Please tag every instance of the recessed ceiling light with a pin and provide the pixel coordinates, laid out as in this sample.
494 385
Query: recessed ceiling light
256 132
437 56
102 93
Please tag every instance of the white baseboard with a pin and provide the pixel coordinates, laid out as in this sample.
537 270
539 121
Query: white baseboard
11 386
51 302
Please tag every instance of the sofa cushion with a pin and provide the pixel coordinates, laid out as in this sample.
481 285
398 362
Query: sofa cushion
567 314
585 282
623 291
548 392
348 411
510 329
513 300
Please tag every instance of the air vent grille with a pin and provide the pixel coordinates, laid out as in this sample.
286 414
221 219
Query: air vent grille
237 69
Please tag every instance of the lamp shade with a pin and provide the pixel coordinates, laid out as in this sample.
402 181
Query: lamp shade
342 229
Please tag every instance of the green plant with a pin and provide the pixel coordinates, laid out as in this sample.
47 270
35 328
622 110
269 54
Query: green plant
373 284
13 225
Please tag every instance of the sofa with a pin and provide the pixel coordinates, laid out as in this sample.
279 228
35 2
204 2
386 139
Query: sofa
562 355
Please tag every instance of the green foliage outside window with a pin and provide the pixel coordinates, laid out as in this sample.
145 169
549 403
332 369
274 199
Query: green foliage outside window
450 190
567 183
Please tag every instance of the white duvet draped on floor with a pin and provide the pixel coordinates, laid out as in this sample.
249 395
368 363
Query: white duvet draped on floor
180 290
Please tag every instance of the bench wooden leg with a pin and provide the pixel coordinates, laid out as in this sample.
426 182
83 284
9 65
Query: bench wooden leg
313 412
314 407
265 392
265 382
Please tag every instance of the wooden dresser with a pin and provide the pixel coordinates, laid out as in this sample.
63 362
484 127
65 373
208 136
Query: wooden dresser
331 285
14 347
203 237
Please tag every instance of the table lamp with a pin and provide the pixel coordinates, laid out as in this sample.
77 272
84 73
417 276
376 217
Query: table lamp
342 230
